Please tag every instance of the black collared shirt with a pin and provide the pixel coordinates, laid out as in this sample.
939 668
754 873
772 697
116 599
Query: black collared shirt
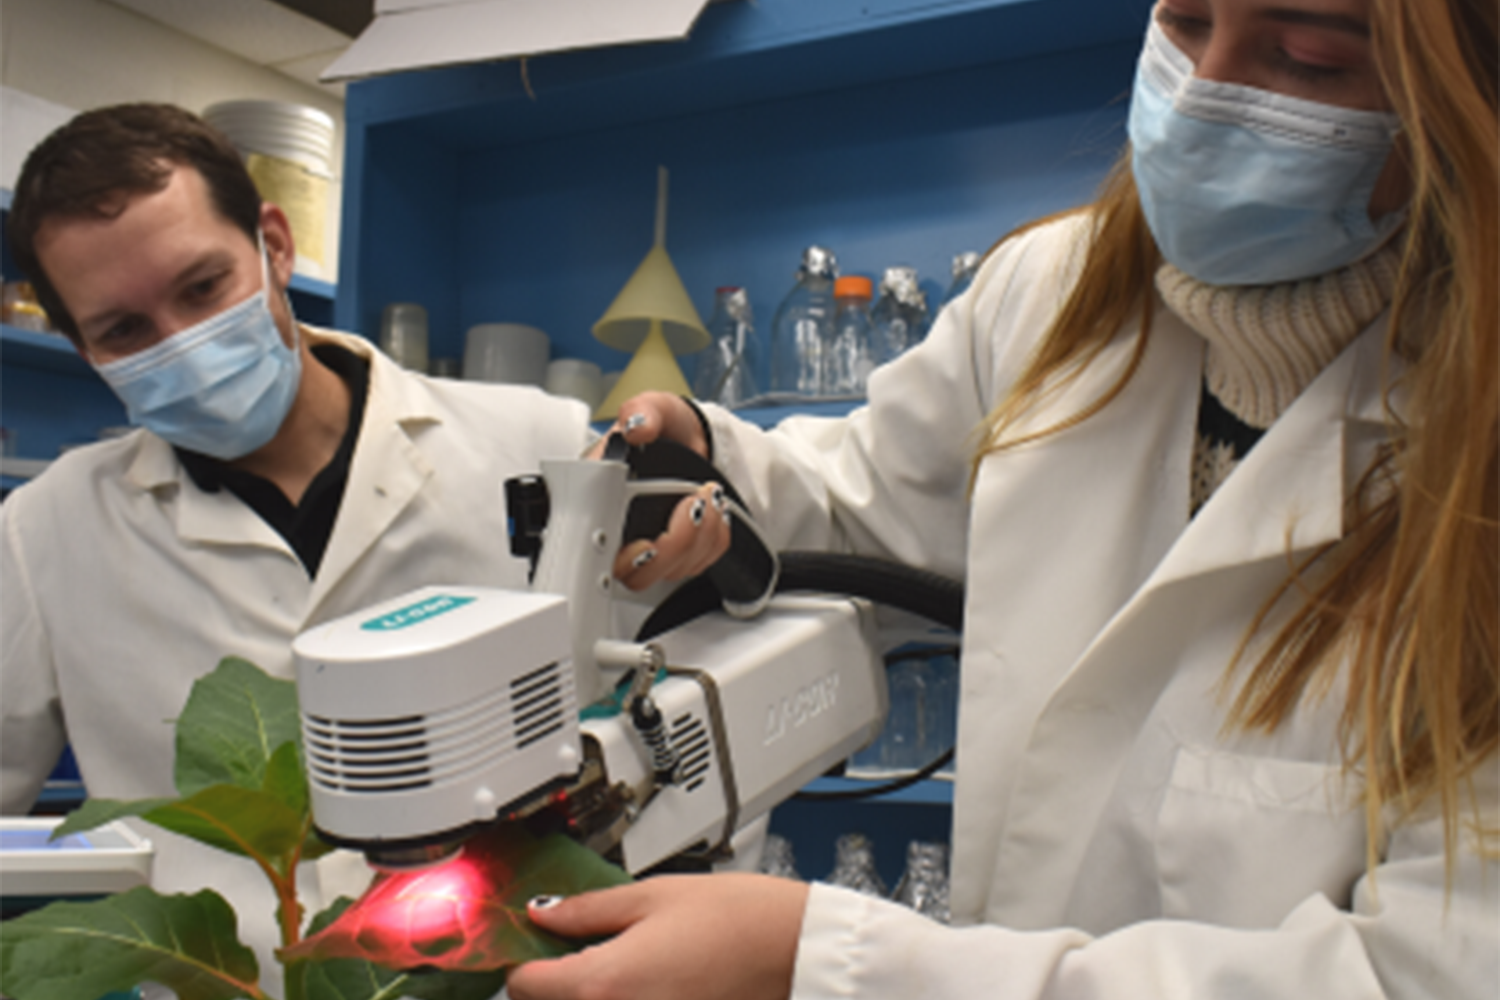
306 526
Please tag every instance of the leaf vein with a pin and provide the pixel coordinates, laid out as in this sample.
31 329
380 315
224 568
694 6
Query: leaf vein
146 944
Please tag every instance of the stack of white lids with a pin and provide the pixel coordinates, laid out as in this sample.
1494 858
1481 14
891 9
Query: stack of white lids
277 128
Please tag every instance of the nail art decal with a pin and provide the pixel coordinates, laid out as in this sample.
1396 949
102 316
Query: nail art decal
635 420
544 902
696 511
645 556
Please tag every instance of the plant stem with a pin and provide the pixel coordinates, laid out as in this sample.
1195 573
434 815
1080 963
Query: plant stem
285 882
290 910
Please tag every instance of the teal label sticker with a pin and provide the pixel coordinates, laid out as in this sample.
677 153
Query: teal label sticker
414 614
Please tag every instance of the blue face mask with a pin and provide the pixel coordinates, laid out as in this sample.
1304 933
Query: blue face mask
221 387
1243 186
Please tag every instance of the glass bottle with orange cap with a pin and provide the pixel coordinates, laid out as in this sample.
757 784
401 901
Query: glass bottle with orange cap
848 356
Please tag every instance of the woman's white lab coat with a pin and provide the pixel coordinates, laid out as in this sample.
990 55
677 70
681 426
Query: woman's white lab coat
1111 837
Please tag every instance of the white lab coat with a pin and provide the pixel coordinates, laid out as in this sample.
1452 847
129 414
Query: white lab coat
121 583
1111 839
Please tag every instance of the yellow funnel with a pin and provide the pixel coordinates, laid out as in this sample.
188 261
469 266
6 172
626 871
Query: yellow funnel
652 368
653 316
653 296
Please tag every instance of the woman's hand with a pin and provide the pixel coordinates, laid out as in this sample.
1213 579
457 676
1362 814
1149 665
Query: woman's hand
653 415
673 937
698 532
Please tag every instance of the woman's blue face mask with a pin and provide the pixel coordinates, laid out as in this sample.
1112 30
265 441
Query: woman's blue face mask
221 387
1243 186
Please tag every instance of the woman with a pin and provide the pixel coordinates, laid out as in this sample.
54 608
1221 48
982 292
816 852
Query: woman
1229 527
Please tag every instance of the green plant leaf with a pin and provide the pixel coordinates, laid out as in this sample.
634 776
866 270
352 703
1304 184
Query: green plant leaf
314 847
235 719
287 782
96 812
358 979
468 914
230 818
81 951
454 985
233 819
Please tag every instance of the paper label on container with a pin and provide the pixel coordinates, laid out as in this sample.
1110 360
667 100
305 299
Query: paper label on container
299 192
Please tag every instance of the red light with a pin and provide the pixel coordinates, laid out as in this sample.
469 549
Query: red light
426 905
441 915
468 913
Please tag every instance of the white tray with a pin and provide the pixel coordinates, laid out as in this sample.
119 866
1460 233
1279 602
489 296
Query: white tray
110 858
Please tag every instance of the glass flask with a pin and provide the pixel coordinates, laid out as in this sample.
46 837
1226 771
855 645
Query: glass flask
854 865
899 315
777 858
847 351
725 372
965 265
924 884
801 325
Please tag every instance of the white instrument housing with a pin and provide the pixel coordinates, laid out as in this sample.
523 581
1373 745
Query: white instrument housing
452 705
755 711
434 710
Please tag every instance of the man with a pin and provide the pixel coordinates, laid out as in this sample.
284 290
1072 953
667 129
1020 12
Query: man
282 475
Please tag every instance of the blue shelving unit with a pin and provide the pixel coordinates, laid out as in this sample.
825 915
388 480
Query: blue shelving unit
902 131
312 299
46 351
891 822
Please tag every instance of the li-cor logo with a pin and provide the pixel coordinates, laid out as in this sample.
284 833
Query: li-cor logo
412 614
803 705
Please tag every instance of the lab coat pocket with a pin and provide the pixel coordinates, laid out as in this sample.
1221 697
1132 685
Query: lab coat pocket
1242 840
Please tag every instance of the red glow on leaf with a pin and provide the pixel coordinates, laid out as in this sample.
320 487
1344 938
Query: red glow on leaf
468 913
431 906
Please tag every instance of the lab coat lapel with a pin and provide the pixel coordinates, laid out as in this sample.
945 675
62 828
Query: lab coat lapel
1287 494
1218 573
218 518
386 473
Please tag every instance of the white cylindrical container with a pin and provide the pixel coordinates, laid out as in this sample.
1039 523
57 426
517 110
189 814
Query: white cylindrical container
576 378
403 335
288 151
506 352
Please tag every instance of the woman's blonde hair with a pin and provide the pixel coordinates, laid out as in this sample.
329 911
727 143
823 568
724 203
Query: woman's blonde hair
1409 599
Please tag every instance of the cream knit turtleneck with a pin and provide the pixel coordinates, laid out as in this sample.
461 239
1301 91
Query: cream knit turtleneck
1266 343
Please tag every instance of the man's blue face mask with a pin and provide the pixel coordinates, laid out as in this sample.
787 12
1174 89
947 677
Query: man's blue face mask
221 387
1243 186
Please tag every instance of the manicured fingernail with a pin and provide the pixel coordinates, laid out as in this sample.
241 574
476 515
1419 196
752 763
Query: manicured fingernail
643 558
720 499
635 420
696 511
727 519
544 902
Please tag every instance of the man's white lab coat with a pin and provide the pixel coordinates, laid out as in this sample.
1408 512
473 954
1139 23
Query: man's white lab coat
1111 838
121 583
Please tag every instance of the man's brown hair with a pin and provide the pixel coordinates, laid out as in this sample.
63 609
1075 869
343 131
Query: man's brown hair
83 168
